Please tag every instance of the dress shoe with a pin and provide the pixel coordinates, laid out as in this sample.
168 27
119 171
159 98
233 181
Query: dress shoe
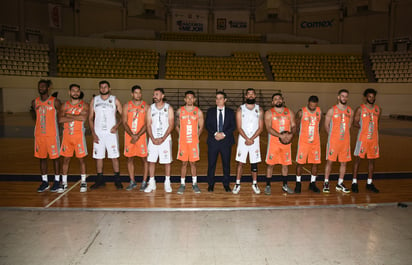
210 188
227 188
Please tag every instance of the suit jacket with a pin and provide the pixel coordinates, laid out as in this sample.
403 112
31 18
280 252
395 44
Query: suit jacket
229 126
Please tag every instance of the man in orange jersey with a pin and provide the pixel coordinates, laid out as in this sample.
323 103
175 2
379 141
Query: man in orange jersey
307 123
281 126
46 134
338 122
73 114
367 145
134 122
104 123
189 123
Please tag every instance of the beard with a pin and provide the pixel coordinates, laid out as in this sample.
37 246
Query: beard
370 102
250 101
104 94
75 97
279 105
343 103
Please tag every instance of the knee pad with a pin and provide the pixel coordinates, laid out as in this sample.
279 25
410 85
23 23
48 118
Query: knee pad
254 167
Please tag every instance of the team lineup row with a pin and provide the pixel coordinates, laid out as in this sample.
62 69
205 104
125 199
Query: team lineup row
148 131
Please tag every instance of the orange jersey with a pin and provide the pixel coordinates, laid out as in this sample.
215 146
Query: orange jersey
135 116
189 126
280 122
46 118
73 127
309 126
339 125
368 123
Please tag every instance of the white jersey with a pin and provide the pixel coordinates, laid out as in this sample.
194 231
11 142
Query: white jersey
105 113
250 120
160 120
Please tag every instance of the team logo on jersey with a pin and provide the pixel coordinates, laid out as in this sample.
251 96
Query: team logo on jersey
300 156
181 154
238 154
270 156
127 149
165 110
256 111
49 102
110 101
194 112
64 148
286 112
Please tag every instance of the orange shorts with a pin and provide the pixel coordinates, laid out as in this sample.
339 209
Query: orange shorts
74 144
308 153
137 149
278 153
370 149
44 145
338 151
188 152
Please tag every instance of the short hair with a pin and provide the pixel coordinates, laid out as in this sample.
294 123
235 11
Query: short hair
343 90
370 91
74 85
104 82
250 89
160 89
221 93
277 94
44 81
190 92
136 87
313 99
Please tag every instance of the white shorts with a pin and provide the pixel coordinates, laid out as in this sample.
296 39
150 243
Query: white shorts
252 150
162 151
107 141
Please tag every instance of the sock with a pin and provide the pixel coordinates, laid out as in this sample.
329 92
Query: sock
56 177
268 181
285 180
152 180
182 181
64 178
83 177
117 174
238 182
369 181
340 181
194 180
312 178
44 178
167 178
354 181
254 182
298 178
326 180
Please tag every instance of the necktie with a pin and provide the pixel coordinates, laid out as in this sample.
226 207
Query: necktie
220 121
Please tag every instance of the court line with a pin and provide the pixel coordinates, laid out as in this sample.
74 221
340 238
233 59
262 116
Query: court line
206 209
61 195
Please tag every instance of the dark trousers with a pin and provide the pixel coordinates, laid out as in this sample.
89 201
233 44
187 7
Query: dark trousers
212 154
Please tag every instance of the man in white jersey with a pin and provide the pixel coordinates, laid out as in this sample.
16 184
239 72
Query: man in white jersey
104 125
160 123
249 120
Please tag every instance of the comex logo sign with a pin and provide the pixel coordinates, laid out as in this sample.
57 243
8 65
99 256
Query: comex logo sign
316 24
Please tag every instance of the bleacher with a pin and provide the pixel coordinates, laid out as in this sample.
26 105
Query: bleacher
240 66
107 63
24 59
317 67
391 67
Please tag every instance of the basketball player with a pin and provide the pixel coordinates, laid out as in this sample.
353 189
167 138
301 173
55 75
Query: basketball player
160 123
249 121
307 122
134 123
73 114
338 122
367 145
189 125
46 134
104 125
281 126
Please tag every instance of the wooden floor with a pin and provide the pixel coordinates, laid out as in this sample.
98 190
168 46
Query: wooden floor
17 161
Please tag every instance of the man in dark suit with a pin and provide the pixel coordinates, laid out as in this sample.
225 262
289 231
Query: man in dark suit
220 124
